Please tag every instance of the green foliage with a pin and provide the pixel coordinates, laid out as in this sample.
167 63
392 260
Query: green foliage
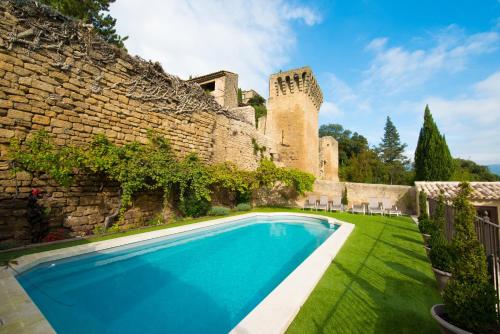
426 226
257 148
390 151
469 296
359 163
344 200
39 154
440 253
244 207
350 144
268 175
422 206
219 211
433 161
259 105
240 97
153 166
91 11
467 170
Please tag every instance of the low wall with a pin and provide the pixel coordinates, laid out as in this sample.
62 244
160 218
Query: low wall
403 196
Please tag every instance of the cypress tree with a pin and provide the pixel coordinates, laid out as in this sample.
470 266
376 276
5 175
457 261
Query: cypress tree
433 161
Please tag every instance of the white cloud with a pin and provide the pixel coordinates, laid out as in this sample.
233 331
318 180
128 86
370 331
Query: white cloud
306 14
471 122
251 38
395 69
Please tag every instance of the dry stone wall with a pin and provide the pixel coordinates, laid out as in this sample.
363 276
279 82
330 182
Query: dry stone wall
57 75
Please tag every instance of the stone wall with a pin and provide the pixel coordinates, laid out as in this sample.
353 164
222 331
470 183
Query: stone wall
329 158
403 196
59 76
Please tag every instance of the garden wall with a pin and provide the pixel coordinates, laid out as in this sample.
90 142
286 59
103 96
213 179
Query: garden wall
357 193
57 75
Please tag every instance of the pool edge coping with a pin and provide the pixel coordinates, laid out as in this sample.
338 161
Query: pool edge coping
20 313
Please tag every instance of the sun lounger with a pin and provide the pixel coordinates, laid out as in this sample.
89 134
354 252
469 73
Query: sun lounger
375 206
390 208
323 203
337 205
358 208
310 203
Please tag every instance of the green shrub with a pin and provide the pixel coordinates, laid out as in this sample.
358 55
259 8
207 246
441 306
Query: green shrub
219 211
243 207
422 206
469 297
344 200
440 253
192 207
426 226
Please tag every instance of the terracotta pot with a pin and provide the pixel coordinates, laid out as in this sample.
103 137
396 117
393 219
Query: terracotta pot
427 250
427 237
438 313
442 278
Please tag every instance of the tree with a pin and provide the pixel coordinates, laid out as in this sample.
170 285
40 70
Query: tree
433 161
469 296
350 144
91 11
390 151
467 170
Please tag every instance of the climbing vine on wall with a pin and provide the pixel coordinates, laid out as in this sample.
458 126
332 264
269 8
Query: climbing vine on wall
153 166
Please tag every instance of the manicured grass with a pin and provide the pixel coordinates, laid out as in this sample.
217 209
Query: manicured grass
379 282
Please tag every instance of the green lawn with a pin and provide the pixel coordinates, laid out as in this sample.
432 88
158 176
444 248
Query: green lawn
380 281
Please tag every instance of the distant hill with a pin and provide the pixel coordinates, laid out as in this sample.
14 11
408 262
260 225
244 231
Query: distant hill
495 168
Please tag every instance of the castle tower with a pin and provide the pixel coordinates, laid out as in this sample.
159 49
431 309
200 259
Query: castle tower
292 118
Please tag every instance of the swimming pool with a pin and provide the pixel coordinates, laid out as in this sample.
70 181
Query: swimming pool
206 280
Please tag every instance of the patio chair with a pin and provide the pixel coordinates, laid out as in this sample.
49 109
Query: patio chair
310 203
375 206
390 208
360 208
337 204
323 203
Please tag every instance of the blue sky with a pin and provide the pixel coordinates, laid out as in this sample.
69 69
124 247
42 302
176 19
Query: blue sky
372 58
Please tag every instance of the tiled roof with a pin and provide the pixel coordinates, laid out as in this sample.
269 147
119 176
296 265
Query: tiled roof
480 190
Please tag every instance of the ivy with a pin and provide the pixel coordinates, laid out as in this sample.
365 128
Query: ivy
140 167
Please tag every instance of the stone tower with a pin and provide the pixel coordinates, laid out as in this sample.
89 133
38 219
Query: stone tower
292 118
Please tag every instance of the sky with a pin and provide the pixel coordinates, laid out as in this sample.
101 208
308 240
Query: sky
372 58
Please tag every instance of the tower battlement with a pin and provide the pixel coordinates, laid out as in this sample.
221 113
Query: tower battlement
296 81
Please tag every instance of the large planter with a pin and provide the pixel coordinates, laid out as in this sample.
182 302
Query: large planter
427 250
442 277
427 237
439 314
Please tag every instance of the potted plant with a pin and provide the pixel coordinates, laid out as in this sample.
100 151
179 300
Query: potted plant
439 251
424 223
469 298
426 227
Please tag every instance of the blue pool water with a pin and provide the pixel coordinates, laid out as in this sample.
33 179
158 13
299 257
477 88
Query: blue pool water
196 282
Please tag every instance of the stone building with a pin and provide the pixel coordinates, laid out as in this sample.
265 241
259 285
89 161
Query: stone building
222 85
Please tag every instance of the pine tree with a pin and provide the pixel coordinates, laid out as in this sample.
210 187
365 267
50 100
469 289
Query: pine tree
391 149
433 161
391 152
91 11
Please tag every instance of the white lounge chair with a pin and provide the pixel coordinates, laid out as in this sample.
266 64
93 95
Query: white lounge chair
375 206
337 204
390 208
360 208
310 203
323 203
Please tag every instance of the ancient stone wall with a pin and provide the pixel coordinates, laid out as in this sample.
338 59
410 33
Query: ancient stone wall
57 75
357 193
329 158
292 119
